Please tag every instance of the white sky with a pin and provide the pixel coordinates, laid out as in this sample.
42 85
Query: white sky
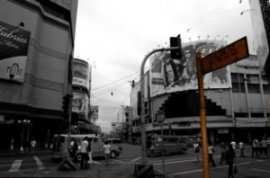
115 35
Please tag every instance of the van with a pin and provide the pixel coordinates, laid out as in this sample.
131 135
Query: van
167 144
61 149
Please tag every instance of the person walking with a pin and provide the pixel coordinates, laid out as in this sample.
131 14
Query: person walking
107 150
210 154
241 147
196 148
84 153
90 160
73 148
230 155
264 147
223 153
254 148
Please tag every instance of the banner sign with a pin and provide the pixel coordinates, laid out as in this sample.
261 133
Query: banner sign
168 75
80 104
14 43
81 73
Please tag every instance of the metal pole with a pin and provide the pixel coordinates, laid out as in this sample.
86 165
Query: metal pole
143 135
247 97
202 118
162 146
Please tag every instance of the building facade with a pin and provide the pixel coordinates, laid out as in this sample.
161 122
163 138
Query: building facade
34 82
237 98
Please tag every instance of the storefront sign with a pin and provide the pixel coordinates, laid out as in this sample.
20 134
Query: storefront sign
14 43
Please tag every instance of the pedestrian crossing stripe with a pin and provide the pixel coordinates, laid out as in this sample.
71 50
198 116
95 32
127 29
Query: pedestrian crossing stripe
39 163
15 166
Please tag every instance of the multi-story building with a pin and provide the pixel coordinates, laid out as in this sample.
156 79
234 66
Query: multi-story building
36 49
236 97
84 115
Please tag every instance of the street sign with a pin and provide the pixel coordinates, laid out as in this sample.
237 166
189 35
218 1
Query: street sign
225 56
160 116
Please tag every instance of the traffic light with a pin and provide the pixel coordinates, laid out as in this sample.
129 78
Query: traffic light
176 42
66 101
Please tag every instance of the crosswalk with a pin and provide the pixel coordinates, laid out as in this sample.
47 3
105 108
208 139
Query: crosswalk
14 166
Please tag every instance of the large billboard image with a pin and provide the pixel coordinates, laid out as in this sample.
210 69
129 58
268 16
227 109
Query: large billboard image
173 75
14 43
80 104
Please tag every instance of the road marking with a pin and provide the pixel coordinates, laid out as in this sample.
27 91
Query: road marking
95 162
15 166
260 170
199 170
39 163
118 161
134 160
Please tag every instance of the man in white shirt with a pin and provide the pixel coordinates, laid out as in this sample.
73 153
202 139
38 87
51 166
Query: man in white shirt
84 153
107 150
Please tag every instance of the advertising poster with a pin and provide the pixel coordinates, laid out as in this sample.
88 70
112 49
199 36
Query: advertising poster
93 113
14 43
80 104
173 75
81 73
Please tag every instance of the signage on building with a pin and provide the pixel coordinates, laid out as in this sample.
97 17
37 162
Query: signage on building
93 113
81 73
225 56
168 75
14 43
80 104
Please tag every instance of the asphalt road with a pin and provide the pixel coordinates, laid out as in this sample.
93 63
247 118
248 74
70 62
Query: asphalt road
177 166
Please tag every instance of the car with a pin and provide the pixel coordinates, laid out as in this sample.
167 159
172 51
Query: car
169 145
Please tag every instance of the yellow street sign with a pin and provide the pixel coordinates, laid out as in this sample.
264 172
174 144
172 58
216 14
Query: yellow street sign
227 55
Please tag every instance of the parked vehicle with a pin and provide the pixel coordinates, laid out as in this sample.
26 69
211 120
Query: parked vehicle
115 141
61 149
167 144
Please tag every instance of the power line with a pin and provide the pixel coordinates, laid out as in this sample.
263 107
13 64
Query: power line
108 84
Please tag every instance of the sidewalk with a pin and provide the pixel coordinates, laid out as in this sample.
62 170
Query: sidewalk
17 153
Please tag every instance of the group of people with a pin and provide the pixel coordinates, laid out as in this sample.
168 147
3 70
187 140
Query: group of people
228 153
259 148
86 151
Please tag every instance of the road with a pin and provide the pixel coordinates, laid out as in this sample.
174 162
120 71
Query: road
176 166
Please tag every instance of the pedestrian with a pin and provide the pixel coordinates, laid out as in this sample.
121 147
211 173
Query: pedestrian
254 148
210 154
84 153
107 150
264 147
196 148
73 148
222 153
11 144
90 160
241 147
233 143
230 155
33 144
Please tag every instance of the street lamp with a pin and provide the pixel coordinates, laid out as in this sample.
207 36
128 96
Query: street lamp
244 11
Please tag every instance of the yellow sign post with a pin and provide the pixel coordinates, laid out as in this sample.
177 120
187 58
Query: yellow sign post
225 56
218 59
202 117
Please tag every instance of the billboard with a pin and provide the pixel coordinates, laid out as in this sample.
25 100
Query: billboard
170 75
81 73
93 113
14 43
80 104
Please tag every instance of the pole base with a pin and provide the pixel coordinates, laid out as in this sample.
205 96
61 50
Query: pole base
67 164
144 171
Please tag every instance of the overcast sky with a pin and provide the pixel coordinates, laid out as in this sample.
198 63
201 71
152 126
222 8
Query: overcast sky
115 35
